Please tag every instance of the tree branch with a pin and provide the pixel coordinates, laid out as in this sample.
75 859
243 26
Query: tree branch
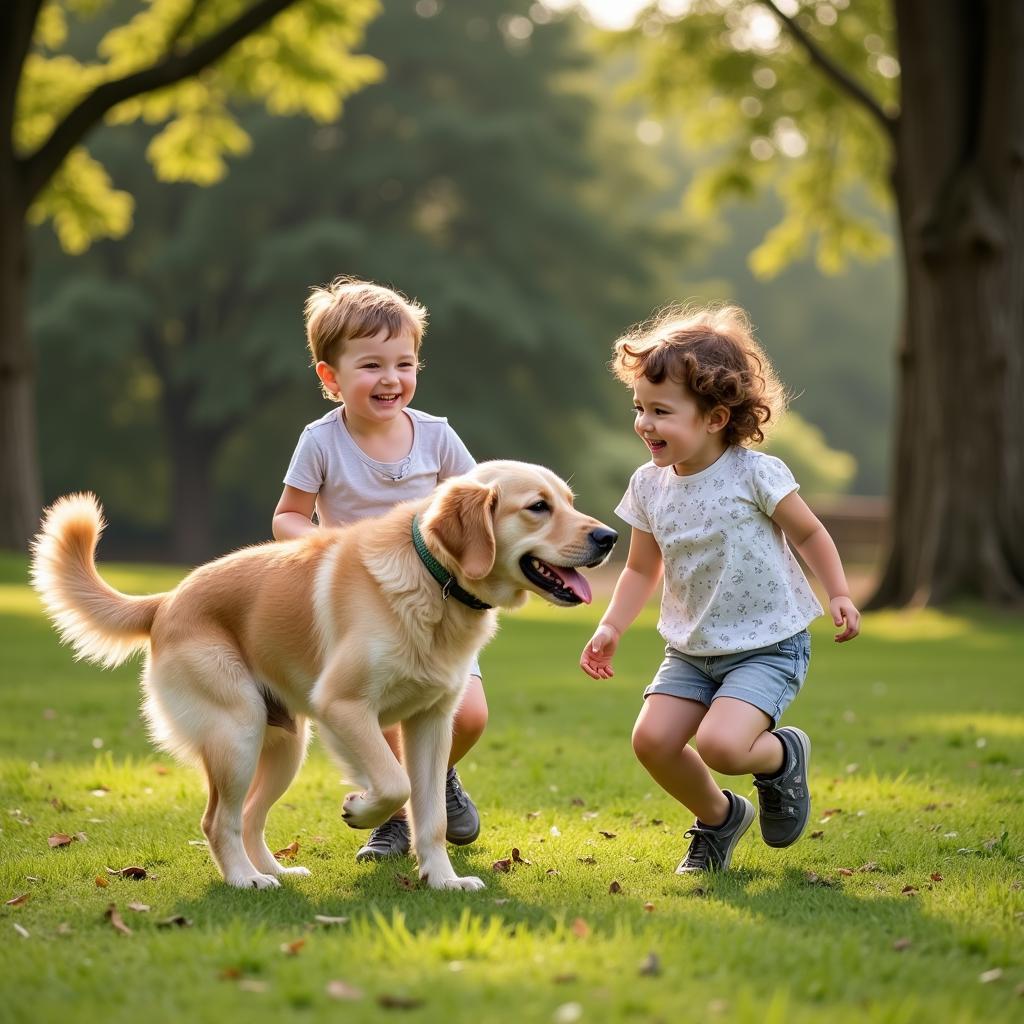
38 168
840 77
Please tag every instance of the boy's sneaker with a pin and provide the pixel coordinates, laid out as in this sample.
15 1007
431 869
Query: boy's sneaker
784 799
388 840
463 819
711 848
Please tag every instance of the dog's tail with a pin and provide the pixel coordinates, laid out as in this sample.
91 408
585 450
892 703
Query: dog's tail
101 624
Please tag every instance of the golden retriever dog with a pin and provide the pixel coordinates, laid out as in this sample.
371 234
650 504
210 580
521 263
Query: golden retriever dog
354 628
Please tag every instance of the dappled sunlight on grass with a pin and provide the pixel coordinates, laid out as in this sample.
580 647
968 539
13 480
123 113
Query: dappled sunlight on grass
977 725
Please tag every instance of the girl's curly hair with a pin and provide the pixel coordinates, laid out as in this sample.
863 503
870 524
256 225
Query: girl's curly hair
711 351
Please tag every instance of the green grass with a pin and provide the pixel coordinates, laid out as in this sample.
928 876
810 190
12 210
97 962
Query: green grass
918 729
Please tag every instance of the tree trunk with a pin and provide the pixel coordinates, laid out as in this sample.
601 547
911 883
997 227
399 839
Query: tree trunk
958 488
20 489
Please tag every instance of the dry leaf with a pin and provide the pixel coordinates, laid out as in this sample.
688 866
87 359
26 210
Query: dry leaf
405 882
504 866
114 918
870 866
139 908
578 801
530 815
901 944
815 879
649 907
132 871
607 835
338 989
101 882
580 928
587 860
230 973
936 876
60 839
161 769
324 919
909 890
23 932
615 888
517 859
563 979
846 872
292 948
651 965
17 901
174 921
817 834
552 871
289 852
393 1002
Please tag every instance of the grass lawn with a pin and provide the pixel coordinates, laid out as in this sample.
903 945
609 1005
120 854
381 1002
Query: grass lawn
906 903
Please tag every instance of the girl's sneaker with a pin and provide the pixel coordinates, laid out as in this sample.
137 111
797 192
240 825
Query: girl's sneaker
463 818
388 840
784 799
711 848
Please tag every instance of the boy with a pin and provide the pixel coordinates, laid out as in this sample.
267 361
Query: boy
365 456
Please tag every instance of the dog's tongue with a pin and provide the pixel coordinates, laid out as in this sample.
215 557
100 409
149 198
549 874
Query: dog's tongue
574 581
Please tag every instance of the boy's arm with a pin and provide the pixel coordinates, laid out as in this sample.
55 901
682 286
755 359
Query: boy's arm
635 585
806 533
293 516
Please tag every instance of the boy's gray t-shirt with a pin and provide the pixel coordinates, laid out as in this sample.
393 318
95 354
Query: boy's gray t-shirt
350 486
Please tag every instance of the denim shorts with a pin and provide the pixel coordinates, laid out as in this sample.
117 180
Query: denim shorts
767 677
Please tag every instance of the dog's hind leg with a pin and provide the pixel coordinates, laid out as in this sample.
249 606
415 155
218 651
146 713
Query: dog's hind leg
280 759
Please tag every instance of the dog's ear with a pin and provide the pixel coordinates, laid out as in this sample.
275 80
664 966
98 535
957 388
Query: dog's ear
461 518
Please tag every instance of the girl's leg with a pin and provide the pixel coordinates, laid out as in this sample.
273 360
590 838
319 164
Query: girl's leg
734 739
470 720
660 737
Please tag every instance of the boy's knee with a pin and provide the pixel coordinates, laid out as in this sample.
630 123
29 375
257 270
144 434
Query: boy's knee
720 753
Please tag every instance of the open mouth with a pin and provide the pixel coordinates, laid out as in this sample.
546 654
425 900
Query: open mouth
562 583
386 399
655 446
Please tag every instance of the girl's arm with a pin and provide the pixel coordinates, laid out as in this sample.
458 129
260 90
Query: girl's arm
293 516
633 590
806 533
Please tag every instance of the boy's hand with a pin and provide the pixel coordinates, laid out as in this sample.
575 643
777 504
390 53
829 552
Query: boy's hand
844 613
596 659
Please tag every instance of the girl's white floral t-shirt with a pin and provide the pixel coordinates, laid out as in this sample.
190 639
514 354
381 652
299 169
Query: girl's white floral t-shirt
731 582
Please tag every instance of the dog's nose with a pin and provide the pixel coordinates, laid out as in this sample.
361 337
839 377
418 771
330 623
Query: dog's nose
603 538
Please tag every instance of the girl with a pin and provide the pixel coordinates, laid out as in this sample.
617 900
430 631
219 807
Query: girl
715 517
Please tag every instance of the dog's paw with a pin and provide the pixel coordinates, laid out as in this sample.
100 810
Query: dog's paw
296 871
470 883
256 881
359 812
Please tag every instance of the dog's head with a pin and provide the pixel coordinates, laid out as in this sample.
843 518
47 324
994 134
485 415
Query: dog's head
507 528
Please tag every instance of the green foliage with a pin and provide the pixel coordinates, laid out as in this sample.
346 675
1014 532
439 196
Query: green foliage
300 63
819 469
750 95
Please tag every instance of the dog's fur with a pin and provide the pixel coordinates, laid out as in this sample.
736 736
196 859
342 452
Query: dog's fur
345 627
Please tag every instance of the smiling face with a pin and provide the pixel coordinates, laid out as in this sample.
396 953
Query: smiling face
375 376
677 433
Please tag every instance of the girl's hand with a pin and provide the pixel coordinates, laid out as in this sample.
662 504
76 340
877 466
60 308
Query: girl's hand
596 659
844 613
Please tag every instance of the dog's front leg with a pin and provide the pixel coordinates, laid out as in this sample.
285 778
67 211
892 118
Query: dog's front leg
426 744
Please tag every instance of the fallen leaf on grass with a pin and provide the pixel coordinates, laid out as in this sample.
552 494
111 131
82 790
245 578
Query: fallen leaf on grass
615 888
936 876
60 839
101 882
580 928
504 866
139 908
845 872
293 948
326 920
901 944
552 871
578 801
649 907
909 890
607 835
17 901
115 919
651 965
338 989
392 1002
517 858
405 882
174 921
813 878
564 979
817 834
587 860
132 871
58 805
289 852
870 866
530 815
161 769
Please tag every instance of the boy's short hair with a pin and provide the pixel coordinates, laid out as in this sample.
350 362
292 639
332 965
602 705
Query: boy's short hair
712 352
350 308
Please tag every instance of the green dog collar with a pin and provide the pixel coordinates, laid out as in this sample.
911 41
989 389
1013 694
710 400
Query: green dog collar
449 588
